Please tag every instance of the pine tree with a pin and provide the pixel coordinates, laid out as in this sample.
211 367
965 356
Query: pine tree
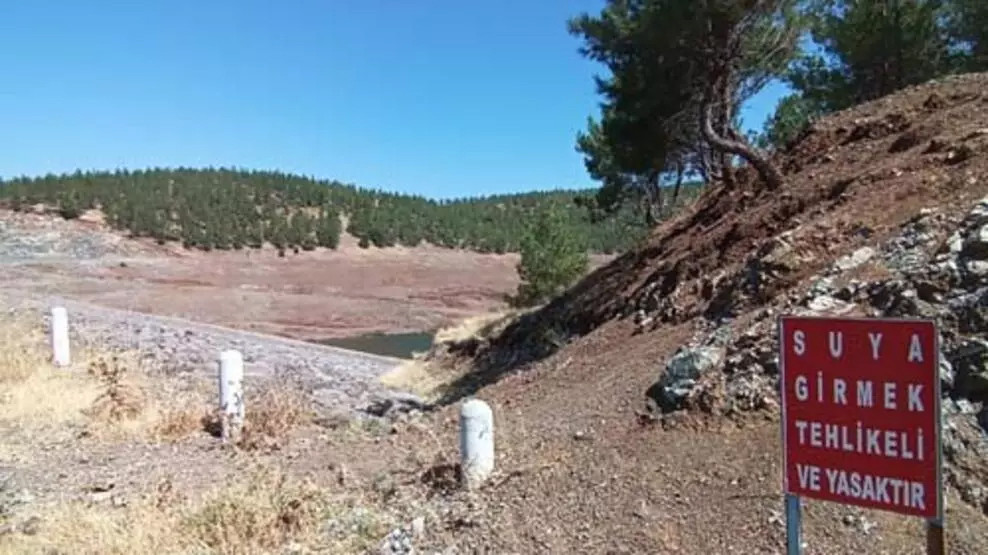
278 231
872 48
328 229
551 260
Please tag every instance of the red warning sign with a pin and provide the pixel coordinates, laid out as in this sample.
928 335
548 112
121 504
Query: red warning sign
861 412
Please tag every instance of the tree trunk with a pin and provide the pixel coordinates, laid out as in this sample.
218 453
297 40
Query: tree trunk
723 128
707 164
766 169
653 198
679 183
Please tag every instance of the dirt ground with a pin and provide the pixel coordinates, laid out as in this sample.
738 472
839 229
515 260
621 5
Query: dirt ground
311 295
582 466
595 473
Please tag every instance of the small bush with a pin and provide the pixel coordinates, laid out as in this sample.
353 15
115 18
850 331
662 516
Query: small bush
259 514
122 399
551 260
269 418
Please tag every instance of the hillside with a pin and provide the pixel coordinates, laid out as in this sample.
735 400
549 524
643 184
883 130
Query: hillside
639 411
231 209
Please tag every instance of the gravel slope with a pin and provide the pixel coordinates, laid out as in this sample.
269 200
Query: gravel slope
342 381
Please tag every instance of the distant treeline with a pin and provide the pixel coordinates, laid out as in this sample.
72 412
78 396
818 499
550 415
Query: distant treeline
232 209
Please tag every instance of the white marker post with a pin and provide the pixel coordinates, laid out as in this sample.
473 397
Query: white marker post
231 394
476 442
60 336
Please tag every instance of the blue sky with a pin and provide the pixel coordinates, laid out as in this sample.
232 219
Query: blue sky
432 97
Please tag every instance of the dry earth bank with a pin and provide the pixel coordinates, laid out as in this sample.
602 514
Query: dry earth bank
312 295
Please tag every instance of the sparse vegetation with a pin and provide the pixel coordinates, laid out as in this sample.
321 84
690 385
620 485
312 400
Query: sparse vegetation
272 415
860 50
109 398
104 393
36 396
582 464
262 511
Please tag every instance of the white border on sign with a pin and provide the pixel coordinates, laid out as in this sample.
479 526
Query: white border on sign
937 387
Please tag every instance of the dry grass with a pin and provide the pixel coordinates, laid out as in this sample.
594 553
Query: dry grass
421 377
108 396
133 405
113 397
261 511
271 415
474 327
19 356
426 378
105 393
178 423
36 395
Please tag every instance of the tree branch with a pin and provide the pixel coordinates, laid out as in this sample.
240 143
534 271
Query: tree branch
766 169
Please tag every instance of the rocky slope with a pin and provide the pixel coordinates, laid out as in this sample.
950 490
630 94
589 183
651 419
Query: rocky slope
884 213
936 268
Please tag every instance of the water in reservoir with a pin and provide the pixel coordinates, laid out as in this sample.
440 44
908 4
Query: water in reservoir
400 345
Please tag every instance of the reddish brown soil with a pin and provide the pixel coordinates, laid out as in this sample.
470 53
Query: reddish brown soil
591 476
579 470
311 295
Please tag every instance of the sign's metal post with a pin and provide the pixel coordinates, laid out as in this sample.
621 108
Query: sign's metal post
792 524
934 537
934 526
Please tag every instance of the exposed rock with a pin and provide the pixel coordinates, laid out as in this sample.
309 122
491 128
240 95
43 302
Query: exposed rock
682 372
400 540
970 360
418 527
860 522
822 286
930 278
397 542
855 259
946 373
977 268
976 244
825 304
690 364
955 243
397 403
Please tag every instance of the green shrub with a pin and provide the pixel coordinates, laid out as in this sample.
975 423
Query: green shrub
551 259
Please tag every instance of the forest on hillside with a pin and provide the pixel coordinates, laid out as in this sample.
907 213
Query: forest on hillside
232 209
654 141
